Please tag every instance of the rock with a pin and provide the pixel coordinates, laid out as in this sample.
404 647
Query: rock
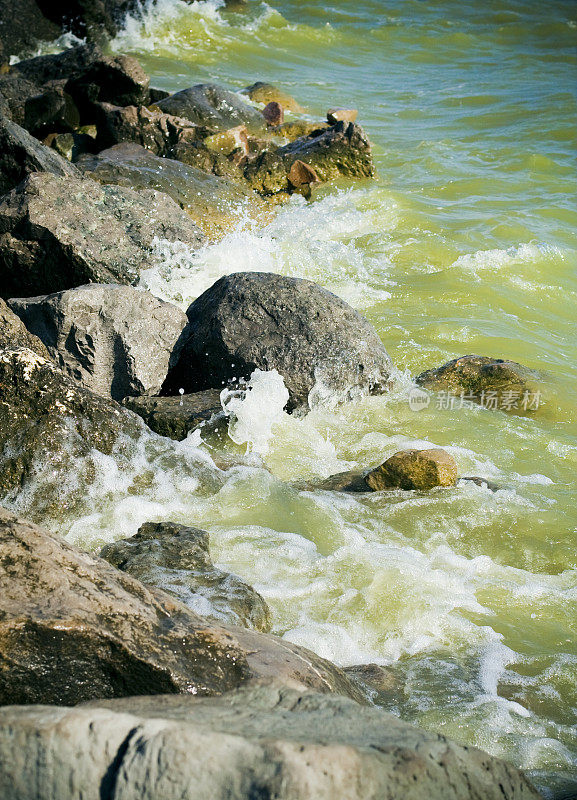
298 128
92 19
71 146
74 628
273 113
383 685
176 558
494 383
15 91
300 175
259 741
176 417
13 333
414 469
154 130
60 232
252 320
335 115
483 482
51 110
22 154
115 340
156 95
213 107
342 150
213 203
22 26
228 141
350 481
265 93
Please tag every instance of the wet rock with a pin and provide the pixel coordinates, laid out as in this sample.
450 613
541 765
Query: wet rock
495 383
71 146
75 628
335 115
92 19
51 110
154 130
22 154
265 93
228 141
259 741
260 320
176 558
213 203
298 128
15 90
483 482
176 417
13 333
212 106
60 232
22 26
301 177
156 95
115 340
383 685
414 469
273 113
350 481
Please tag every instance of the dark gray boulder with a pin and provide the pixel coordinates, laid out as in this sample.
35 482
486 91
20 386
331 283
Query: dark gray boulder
22 26
212 106
153 129
252 320
21 155
178 416
13 333
115 340
15 90
60 232
51 110
256 742
176 558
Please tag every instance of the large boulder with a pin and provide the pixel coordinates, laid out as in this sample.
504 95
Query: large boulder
115 340
215 204
212 106
176 417
74 628
176 558
21 155
22 26
265 93
13 333
260 741
15 91
60 232
252 320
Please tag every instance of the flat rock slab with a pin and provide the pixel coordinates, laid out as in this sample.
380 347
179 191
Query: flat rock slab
265 741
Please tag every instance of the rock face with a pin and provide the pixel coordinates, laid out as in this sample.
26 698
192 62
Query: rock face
74 628
213 107
176 417
60 232
414 469
13 333
495 383
176 558
115 340
22 154
260 320
263 741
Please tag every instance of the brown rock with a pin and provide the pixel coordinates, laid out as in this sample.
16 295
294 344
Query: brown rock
414 469
261 92
297 128
335 115
273 113
301 174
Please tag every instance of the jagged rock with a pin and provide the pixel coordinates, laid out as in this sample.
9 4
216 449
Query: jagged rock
228 141
298 128
414 469
495 383
213 203
60 232
176 558
342 150
71 146
51 110
115 340
74 628
178 416
335 115
213 107
22 154
13 333
273 114
252 320
154 130
265 93
22 26
259 741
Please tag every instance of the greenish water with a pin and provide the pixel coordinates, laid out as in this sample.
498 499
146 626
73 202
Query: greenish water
466 243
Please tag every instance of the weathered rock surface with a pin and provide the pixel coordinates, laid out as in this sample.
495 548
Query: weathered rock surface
495 383
15 91
383 685
261 92
154 130
60 232
176 417
23 26
51 110
13 333
213 203
414 469
74 628
115 340
176 558
21 155
212 106
335 115
261 320
273 113
261 741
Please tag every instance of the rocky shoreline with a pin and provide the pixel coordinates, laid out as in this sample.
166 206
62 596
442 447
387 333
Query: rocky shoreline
148 672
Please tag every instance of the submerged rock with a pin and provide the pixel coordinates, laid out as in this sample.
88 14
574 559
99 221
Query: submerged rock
494 383
115 340
13 333
383 685
252 320
21 155
266 93
212 106
260 741
176 417
60 232
414 469
176 558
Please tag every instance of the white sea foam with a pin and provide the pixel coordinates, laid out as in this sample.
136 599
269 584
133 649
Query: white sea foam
495 260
